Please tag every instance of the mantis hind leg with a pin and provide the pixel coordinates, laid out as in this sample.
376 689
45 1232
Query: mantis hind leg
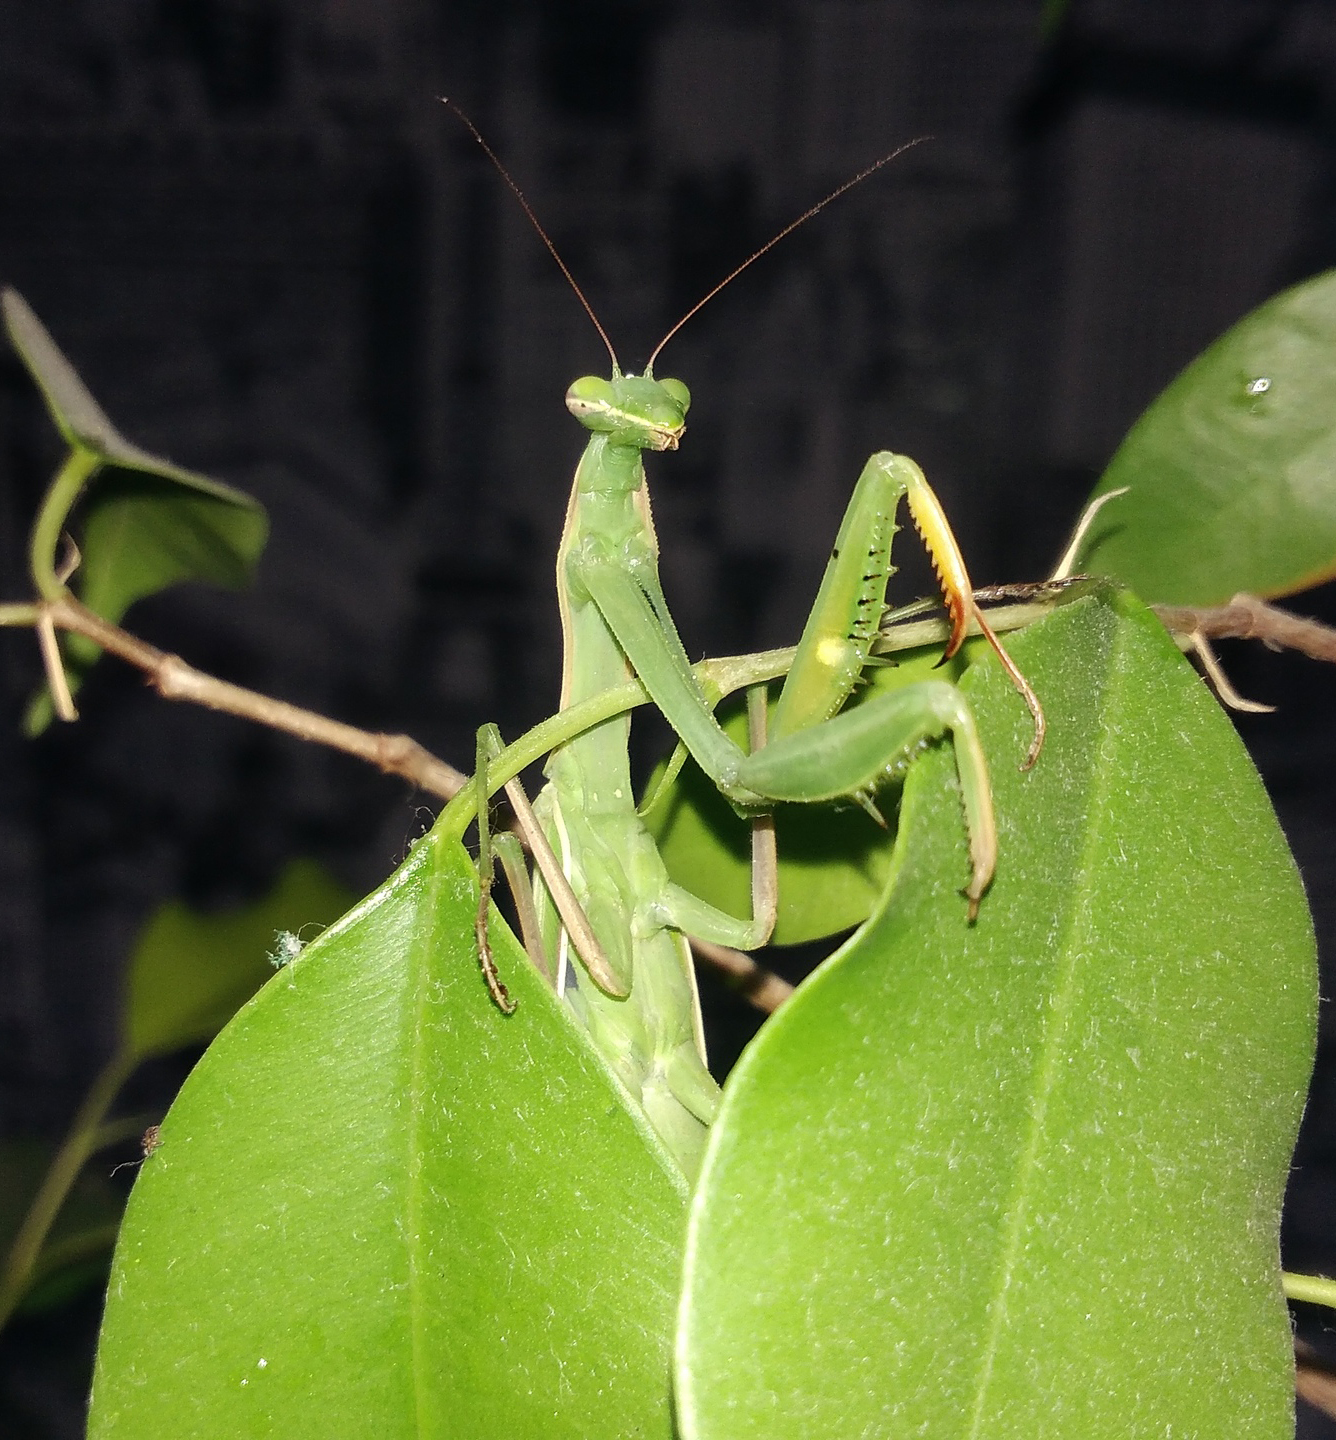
489 745
492 847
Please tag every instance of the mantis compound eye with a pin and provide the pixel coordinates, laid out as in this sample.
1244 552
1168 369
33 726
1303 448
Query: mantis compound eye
593 400
678 392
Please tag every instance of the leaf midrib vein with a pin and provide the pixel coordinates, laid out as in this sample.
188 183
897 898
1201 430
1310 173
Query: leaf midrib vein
1046 1072
428 911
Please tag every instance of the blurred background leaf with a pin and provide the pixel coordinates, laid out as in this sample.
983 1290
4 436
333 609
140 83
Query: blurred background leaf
190 971
78 1245
186 978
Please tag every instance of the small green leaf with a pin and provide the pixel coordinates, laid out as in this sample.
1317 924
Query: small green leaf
190 971
1232 470
145 525
139 534
1023 1178
142 533
78 417
381 1208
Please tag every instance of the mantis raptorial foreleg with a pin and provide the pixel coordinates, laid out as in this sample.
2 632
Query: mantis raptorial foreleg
811 756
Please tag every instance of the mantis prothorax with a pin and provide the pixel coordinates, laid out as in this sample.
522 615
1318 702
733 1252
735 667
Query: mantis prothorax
636 990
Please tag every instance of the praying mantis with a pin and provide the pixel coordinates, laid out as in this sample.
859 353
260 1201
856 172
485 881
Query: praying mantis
603 890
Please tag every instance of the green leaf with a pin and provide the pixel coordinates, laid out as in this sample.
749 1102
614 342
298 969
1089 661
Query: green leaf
191 971
1024 1178
78 417
78 1246
142 533
146 525
1233 468
834 860
382 1208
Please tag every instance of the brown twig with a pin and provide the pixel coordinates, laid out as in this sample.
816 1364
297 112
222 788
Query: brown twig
757 985
174 679
1314 1380
1248 618
1245 617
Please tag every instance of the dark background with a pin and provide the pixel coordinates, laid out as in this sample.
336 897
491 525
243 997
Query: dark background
276 258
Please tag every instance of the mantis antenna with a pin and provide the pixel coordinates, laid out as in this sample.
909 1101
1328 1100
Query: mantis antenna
543 235
769 244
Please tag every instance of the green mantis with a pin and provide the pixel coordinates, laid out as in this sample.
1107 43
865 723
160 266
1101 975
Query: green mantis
605 892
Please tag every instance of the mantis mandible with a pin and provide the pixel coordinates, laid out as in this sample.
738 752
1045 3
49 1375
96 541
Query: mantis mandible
605 892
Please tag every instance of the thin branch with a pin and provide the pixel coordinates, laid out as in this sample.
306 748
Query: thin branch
173 679
1313 1379
1248 618
1224 687
757 985
61 699
897 633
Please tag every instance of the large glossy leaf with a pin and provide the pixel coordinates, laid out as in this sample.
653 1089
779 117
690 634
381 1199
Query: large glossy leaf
1232 470
1024 1179
190 970
382 1208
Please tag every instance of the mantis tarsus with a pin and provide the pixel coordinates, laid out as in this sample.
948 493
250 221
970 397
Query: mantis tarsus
636 991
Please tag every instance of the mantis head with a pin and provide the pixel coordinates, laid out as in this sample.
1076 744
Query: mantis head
635 410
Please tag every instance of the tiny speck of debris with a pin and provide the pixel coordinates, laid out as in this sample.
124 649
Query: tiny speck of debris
1259 386
261 1363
